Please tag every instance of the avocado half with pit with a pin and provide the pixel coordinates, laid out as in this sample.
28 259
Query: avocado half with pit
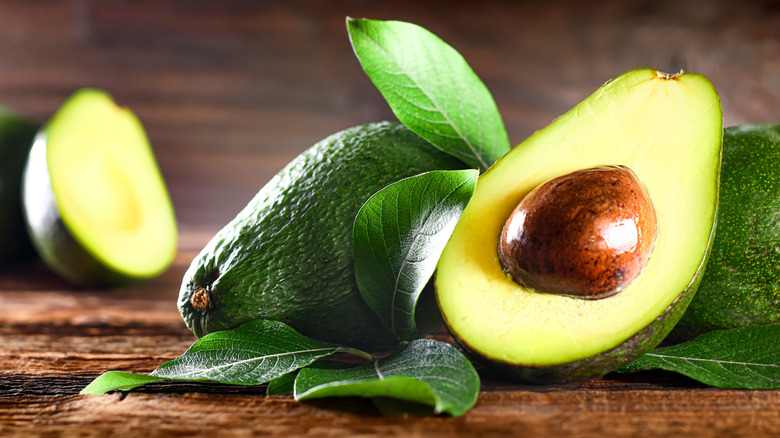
95 202
565 306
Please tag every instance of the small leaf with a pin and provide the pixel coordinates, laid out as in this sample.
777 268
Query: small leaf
424 371
252 354
282 385
118 380
398 236
431 89
738 358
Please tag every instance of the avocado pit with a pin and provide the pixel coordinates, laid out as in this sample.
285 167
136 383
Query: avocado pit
587 234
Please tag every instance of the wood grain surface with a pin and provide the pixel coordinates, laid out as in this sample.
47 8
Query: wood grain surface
55 340
231 91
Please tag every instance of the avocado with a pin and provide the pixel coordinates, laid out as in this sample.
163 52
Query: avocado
741 286
94 199
667 129
288 255
16 136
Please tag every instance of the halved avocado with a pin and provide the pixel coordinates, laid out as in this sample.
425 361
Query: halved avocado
16 136
95 202
668 130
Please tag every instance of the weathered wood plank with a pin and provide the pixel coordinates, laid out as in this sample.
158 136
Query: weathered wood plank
593 412
44 367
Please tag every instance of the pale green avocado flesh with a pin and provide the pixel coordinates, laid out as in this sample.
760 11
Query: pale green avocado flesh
668 130
95 201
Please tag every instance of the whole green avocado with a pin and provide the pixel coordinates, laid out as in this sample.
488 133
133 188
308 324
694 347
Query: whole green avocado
741 285
288 255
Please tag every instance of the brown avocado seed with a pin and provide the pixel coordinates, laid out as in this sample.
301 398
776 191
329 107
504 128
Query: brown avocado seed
587 234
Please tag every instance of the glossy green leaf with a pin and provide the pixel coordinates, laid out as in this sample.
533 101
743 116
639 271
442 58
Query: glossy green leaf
251 354
424 371
431 89
736 358
398 236
118 380
282 385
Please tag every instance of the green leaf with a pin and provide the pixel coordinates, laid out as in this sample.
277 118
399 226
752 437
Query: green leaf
398 236
431 89
738 358
424 371
118 380
251 354
282 385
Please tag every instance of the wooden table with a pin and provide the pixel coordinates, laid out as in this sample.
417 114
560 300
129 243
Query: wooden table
55 340
230 92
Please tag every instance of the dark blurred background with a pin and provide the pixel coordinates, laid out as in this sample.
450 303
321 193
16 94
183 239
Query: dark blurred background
230 91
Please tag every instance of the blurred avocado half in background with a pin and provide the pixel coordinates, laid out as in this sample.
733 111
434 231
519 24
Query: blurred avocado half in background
96 205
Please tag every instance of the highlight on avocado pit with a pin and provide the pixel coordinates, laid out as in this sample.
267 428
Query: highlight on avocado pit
587 234
569 257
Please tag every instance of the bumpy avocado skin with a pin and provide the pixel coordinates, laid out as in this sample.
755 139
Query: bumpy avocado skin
16 138
288 254
741 287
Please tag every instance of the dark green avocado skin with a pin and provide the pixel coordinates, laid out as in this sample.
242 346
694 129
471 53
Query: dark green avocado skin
288 255
741 287
16 138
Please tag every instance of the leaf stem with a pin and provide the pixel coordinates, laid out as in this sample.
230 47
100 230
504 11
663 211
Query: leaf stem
360 353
